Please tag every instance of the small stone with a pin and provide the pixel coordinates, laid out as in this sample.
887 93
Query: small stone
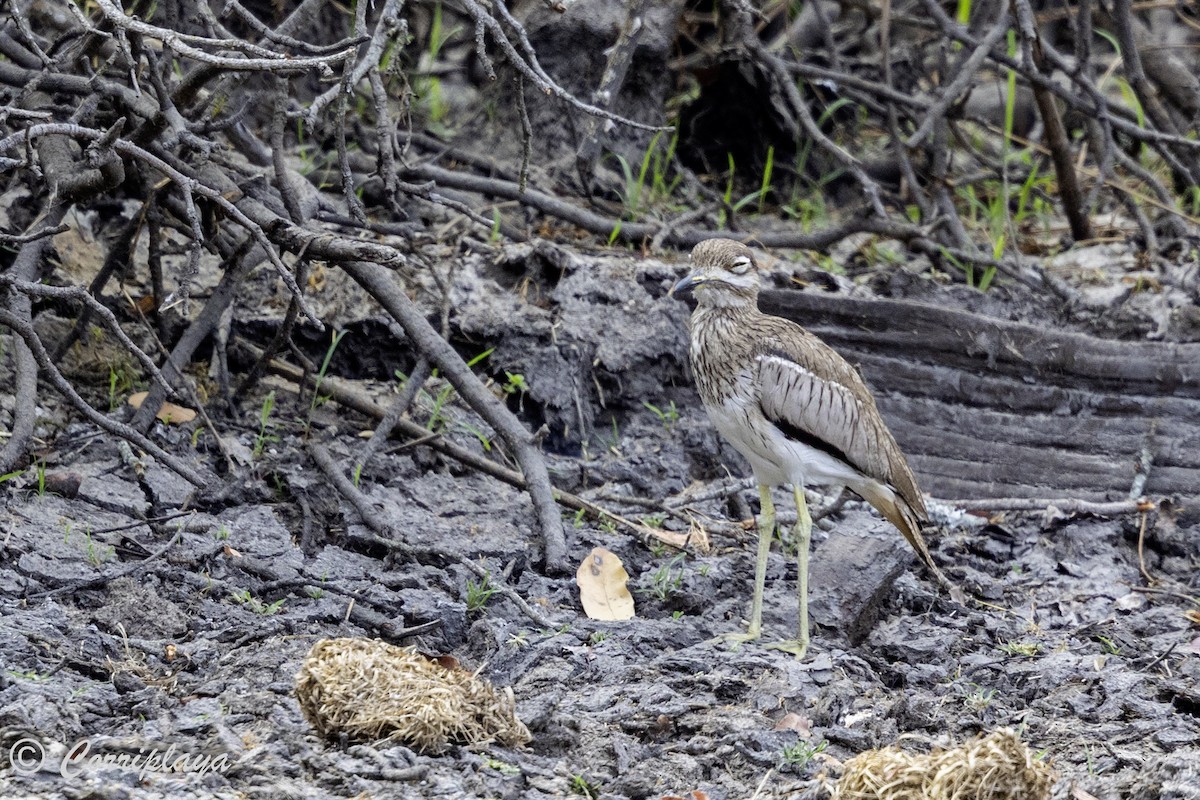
853 572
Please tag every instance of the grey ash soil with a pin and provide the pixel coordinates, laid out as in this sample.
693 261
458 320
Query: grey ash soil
1100 677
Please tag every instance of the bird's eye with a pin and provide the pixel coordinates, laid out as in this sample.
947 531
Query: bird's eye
740 265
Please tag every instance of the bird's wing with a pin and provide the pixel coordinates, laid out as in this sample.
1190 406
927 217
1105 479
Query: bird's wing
819 412
813 395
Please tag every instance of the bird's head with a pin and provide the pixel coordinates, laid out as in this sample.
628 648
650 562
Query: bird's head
723 274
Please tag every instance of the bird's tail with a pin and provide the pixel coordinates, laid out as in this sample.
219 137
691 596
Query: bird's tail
900 513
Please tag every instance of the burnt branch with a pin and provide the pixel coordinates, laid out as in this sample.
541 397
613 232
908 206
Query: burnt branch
25 270
24 330
427 340
1056 134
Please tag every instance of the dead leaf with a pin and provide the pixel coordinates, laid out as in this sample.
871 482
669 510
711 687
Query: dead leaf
1129 602
63 484
1192 615
1080 794
792 721
603 586
168 413
316 277
80 255
239 452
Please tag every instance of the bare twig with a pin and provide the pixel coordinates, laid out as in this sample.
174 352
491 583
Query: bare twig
190 47
124 572
964 76
1056 133
389 28
189 186
396 410
40 233
110 320
236 270
25 331
620 56
688 237
379 283
351 398
25 368
785 86
362 505
1141 551
281 38
528 65
1066 505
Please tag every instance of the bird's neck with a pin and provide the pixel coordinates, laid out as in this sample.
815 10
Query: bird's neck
715 326
722 338
726 300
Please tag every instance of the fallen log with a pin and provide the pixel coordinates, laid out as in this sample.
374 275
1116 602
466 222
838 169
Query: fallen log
985 407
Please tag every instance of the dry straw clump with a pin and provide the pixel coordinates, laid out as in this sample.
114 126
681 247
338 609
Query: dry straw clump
994 767
370 690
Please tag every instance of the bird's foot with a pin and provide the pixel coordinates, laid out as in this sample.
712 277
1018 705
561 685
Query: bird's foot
797 646
736 639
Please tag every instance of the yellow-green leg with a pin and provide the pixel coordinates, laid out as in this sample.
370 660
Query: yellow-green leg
802 535
766 531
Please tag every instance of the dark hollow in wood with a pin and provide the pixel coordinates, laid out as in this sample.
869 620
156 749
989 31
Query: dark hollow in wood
985 407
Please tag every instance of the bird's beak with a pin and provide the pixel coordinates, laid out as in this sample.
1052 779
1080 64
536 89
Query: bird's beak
687 284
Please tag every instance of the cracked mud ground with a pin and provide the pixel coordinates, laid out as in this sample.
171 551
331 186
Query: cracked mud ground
133 619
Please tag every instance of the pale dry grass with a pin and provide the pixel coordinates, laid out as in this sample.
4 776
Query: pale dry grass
369 690
998 766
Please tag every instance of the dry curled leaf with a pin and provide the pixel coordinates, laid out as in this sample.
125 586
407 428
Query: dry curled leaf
792 721
603 586
168 413
1130 602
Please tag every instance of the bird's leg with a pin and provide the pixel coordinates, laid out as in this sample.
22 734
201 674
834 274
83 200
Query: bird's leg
802 534
766 531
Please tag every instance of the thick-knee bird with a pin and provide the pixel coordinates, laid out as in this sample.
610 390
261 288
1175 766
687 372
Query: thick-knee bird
795 409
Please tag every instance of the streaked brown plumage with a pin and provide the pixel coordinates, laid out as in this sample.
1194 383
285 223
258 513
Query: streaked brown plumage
794 408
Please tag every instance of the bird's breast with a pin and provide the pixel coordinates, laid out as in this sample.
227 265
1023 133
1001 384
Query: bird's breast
721 355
